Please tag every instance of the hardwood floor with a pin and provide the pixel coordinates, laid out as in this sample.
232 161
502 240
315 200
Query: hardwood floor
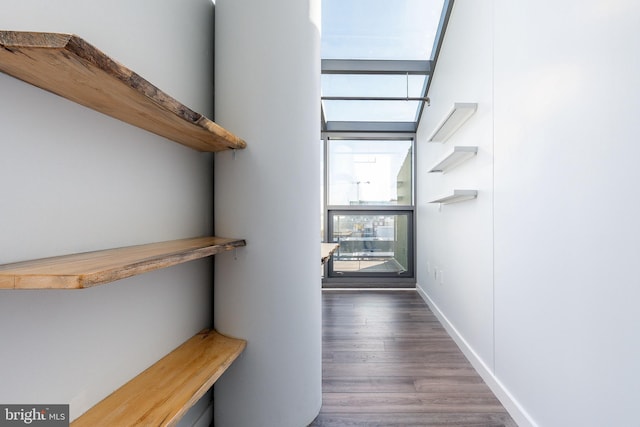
387 361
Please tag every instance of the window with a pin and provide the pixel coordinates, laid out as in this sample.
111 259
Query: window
370 172
371 243
369 211
377 57
377 60
380 29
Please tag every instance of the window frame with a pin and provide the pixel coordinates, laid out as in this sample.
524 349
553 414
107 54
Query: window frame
389 280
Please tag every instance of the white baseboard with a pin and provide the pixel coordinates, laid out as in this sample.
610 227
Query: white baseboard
517 412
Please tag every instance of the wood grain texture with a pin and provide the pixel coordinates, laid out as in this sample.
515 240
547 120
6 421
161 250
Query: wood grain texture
327 249
95 268
70 67
387 361
163 393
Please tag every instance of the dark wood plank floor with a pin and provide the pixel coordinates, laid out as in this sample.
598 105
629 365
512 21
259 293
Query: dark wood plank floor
387 361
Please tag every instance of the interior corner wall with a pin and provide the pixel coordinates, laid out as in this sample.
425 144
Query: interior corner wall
74 180
267 83
564 116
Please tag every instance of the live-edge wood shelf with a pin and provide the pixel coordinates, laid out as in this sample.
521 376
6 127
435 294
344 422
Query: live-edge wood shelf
99 267
327 249
70 67
163 393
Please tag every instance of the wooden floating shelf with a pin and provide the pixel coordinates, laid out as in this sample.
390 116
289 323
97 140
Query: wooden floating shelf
89 269
327 250
457 196
70 67
163 393
459 114
453 159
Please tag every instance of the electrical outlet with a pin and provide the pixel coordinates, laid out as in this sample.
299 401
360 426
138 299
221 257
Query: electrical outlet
441 277
429 267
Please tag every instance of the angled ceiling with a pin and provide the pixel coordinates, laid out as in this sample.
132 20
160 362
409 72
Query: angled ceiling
377 59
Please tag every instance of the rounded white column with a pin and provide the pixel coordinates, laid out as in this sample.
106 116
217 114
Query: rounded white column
267 91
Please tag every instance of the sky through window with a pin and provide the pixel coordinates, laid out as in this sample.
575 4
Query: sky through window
378 30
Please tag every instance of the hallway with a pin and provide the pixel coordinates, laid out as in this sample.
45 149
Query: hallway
387 361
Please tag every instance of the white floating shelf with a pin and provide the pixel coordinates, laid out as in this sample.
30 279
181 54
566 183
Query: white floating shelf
459 114
457 196
453 159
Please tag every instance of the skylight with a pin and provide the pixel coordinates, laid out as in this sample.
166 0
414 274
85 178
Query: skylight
379 29
377 56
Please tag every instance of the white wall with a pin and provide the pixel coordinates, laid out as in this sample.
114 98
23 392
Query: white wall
454 240
566 241
74 180
268 91
565 99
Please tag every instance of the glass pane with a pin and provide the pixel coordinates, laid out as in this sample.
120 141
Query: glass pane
379 29
378 85
322 189
371 111
370 172
371 244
